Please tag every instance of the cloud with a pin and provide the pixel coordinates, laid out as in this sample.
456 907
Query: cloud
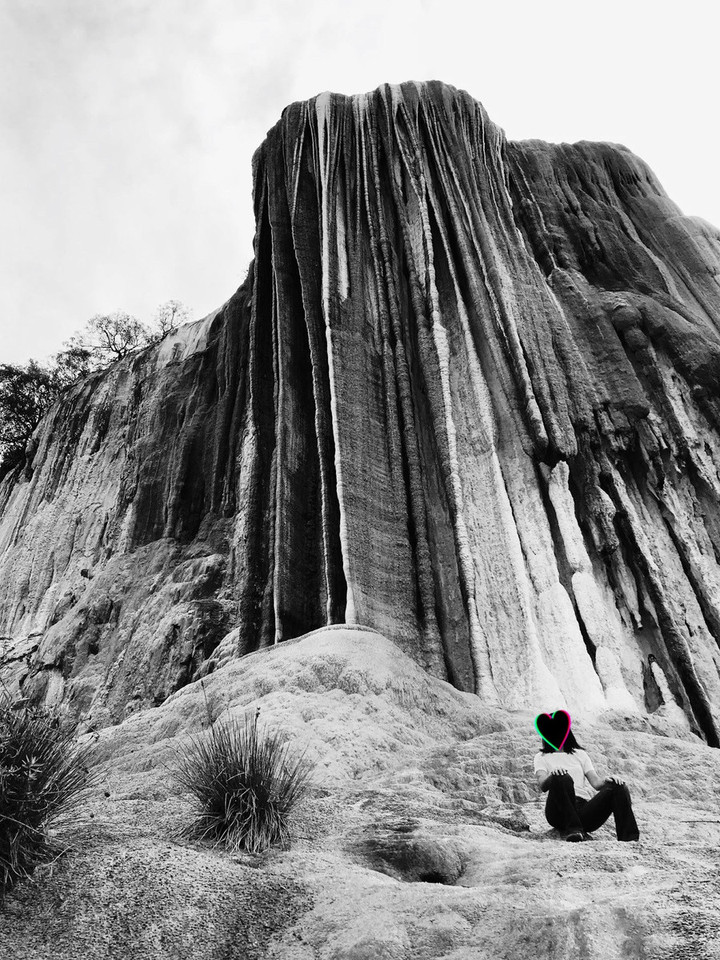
128 128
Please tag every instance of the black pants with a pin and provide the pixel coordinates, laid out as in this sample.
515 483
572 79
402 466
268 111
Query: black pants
565 811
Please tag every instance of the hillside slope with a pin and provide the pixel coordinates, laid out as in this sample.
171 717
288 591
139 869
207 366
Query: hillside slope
423 837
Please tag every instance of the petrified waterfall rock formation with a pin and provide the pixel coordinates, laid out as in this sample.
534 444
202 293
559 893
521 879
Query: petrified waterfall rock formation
468 396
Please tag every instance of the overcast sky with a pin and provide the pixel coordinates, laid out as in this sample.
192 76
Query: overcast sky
127 127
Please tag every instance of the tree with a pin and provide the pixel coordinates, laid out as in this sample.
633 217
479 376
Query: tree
73 362
26 392
168 317
111 336
108 337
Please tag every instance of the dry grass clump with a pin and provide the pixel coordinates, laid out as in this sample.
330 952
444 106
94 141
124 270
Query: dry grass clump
245 783
44 778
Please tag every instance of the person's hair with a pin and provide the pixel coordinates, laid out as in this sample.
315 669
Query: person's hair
569 746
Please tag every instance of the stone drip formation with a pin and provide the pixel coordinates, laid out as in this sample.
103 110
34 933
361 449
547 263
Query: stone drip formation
468 395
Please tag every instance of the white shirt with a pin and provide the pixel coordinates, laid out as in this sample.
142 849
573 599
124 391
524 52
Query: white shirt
578 764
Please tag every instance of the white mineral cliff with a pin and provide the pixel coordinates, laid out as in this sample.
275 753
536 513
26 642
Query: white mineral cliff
467 396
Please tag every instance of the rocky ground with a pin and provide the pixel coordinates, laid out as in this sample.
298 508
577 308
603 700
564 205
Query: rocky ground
423 835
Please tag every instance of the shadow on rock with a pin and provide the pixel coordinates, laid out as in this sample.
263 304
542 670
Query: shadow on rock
402 851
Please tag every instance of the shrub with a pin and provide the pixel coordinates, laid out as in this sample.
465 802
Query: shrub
26 392
43 779
245 784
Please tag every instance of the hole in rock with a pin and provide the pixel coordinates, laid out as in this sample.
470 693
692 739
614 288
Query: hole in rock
414 859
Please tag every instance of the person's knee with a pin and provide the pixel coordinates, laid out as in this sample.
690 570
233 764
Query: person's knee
620 788
561 779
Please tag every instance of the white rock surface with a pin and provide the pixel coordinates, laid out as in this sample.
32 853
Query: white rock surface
414 779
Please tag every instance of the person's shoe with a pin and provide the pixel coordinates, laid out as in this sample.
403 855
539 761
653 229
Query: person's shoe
588 836
574 836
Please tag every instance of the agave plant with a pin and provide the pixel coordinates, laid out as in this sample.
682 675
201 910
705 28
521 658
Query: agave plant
44 778
245 783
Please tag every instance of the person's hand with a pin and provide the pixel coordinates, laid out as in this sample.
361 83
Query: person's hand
560 772
617 780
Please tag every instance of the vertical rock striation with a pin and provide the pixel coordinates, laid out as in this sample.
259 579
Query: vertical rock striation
468 396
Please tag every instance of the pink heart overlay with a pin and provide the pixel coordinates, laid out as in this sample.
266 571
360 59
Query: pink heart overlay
551 717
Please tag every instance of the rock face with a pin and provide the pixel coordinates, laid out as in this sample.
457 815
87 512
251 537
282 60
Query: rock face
468 396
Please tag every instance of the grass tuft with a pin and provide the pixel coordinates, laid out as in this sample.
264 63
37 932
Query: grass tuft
245 783
44 778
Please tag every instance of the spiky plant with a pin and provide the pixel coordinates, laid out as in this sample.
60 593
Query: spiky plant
245 783
44 778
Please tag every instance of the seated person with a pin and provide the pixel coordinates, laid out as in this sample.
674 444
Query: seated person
565 774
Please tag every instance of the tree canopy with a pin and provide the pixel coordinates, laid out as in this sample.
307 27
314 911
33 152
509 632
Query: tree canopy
28 390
